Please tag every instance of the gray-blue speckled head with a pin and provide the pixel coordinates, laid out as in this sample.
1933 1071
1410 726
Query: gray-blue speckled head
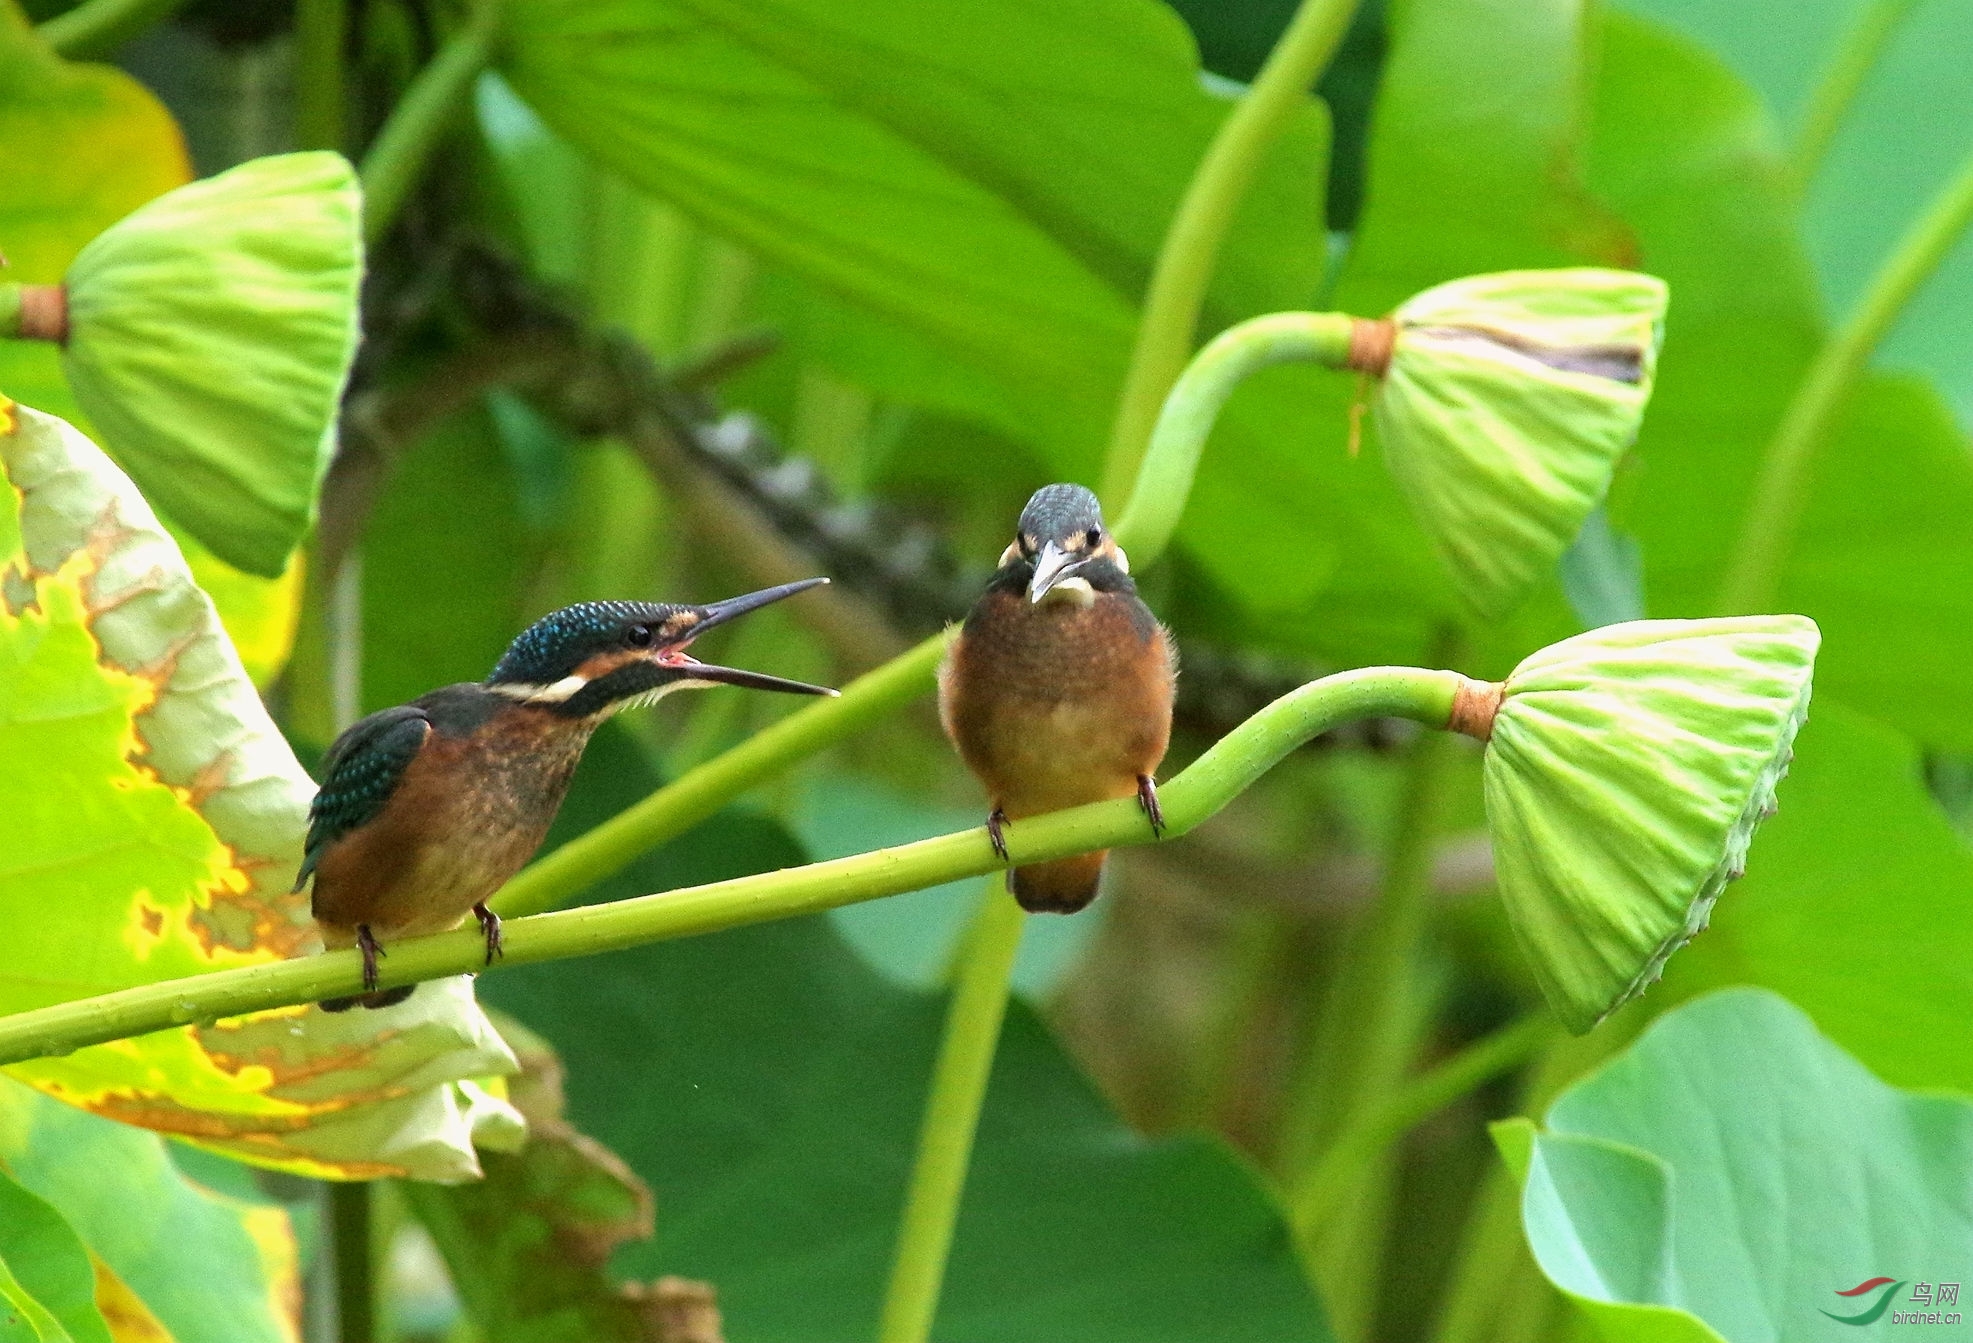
1061 513
1062 546
594 658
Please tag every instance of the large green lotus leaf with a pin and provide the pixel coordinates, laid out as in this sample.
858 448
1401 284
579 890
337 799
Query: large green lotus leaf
84 145
210 334
192 1262
1883 559
47 1287
997 176
768 1084
1858 905
986 186
155 818
1263 522
1470 174
1909 129
1736 1168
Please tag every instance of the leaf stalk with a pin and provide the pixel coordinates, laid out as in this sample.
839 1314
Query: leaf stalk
1781 490
1164 476
952 1116
1186 260
95 28
391 167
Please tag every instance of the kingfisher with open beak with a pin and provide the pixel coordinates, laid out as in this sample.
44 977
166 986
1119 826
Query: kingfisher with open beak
427 809
1058 690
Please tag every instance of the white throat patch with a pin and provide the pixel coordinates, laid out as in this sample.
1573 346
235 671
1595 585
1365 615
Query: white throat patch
1073 590
557 693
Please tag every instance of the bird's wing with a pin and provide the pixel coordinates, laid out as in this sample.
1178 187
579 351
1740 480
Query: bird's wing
359 774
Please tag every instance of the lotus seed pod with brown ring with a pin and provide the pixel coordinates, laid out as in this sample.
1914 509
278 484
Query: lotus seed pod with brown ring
1627 770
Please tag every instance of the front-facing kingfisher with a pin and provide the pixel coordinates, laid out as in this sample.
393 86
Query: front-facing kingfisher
427 809
1058 689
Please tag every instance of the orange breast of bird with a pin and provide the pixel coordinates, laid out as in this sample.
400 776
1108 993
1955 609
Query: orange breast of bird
1058 704
469 812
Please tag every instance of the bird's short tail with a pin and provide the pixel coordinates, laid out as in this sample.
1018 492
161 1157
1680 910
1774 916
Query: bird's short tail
1061 887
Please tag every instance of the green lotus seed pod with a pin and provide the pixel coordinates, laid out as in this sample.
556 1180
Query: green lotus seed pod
209 337
1505 403
1626 772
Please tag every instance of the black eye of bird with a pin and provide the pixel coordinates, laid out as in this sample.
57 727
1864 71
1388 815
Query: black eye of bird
638 636
1092 536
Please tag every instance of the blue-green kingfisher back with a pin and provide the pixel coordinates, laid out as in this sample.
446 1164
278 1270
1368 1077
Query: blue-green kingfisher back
1058 690
427 809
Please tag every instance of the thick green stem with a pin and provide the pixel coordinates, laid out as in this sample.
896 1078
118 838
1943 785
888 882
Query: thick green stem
1184 267
1348 1067
1233 763
952 1116
321 29
397 156
1781 490
1374 1127
1494 1274
351 1242
1164 479
95 28
1841 80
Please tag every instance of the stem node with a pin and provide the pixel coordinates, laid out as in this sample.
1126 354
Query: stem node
1475 704
1371 341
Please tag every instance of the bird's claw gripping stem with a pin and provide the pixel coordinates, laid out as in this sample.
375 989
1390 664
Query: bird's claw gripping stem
997 832
1147 798
372 953
490 926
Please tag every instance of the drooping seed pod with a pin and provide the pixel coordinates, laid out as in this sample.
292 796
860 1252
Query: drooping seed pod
1626 771
1504 404
208 338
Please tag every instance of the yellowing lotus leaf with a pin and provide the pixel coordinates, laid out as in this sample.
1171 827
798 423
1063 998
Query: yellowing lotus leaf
153 821
172 1259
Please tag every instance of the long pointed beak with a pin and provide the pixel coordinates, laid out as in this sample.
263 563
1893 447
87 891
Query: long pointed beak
718 613
1051 566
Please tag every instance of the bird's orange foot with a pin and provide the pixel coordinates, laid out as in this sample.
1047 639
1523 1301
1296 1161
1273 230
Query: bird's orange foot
490 925
1147 798
997 832
372 953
